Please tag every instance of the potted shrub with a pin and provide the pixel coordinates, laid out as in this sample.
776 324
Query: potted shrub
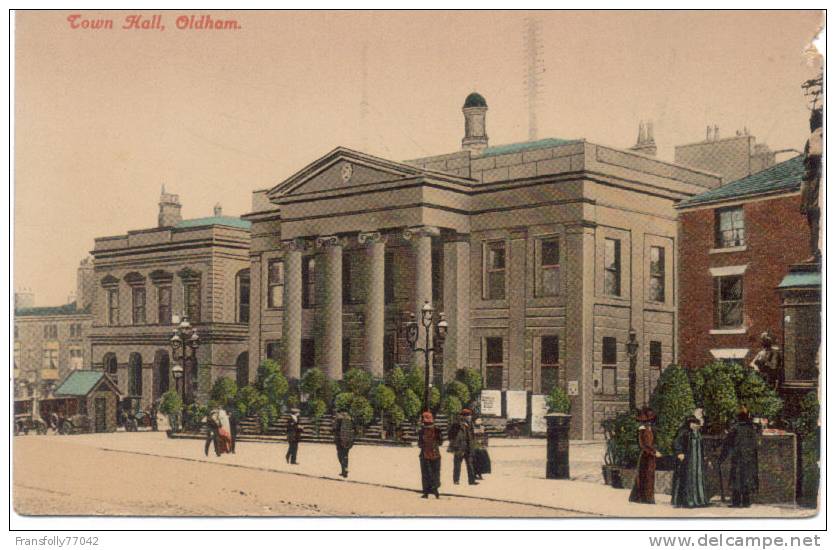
622 449
171 405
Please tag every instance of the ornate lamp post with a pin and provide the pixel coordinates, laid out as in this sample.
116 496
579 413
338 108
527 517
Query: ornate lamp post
184 346
439 328
632 354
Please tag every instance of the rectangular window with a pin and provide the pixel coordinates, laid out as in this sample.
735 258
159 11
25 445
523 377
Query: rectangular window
346 354
548 283
51 332
113 306
609 358
494 274
549 363
437 271
493 363
76 358
50 357
138 303
308 354
273 350
191 298
729 301
164 305
729 227
244 296
389 351
309 282
655 354
275 283
657 274
612 267
389 277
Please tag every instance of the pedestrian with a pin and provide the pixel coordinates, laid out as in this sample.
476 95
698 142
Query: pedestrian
211 434
644 486
741 444
155 408
481 458
688 490
461 444
232 414
429 440
54 421
294 435
224 431
344 439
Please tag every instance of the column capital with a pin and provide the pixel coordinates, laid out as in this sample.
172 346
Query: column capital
420 231
326 241
294 245
371 237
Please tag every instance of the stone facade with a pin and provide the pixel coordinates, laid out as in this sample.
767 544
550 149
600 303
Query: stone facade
731 158
147 280
553 241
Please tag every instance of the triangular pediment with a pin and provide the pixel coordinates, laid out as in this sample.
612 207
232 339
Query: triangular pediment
342 168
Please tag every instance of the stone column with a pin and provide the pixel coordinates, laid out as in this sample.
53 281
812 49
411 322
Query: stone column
375 299
457 304
292 302
421 238
332 308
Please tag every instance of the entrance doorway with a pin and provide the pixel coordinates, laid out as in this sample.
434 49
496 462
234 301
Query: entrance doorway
100 411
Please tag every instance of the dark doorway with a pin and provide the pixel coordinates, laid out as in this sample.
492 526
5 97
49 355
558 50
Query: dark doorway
242 370
162 373
135 375
100 406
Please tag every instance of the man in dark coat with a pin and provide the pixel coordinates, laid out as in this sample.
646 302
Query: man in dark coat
741 444
232 412
461 443
211 436
689 474
344 439
294 435
429 439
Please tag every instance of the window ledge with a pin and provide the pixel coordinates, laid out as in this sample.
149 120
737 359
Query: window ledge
742 248
741 330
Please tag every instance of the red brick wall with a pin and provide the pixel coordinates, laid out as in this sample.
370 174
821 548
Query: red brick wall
776 237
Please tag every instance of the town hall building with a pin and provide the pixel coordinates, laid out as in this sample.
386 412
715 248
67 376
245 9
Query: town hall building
543 255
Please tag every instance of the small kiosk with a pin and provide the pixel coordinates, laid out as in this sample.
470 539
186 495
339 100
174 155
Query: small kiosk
85 393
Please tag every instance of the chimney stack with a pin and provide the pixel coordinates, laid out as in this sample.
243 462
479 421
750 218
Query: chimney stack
218 210
645 143
169 209
475 134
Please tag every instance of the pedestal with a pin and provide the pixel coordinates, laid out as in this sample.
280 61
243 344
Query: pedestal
557 449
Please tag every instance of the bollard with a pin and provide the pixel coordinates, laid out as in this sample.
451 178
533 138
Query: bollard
557 450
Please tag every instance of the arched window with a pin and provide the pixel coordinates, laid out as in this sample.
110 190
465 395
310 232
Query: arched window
242 370
135 374
242 283
161 372
111 367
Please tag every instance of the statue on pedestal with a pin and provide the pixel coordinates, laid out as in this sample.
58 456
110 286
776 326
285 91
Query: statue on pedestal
810 201
768 362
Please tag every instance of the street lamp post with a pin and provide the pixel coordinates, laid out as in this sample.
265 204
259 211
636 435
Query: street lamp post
184 344
439 327
632 354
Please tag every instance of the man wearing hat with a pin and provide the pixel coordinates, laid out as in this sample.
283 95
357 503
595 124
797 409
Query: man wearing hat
462 447
294 435
429 439
741 444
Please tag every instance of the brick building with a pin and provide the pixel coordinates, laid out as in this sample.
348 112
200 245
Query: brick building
148 279
736 243
49 342
543 255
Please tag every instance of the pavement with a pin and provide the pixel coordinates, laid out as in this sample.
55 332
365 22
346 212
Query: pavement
518 476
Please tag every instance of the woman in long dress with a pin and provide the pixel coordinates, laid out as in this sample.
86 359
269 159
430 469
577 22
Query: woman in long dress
224 431
644 488
689 472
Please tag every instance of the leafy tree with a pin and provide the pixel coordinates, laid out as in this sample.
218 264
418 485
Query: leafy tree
342 403
673 402
411 404
267 369
361 410
396 415
471 378
415 380
719 401
459 390
223 391
358 381
451 406
435 397
275 387
396 379
313 381
170 403
317 408
249 401
808 417
759 399
699 377
622 433
558 401
382 398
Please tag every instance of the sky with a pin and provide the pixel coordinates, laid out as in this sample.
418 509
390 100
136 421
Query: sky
105 117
